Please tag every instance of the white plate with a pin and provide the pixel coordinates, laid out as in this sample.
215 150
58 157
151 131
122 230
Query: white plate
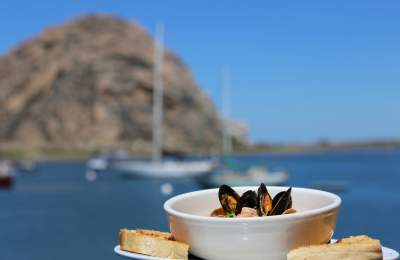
134 255
388 254
144 257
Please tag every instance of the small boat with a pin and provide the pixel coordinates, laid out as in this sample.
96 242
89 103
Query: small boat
252 177
159 166
7 174
102 161
26 165
255 174
98 163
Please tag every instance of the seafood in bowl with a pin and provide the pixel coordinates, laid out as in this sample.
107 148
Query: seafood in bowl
252 204
266 237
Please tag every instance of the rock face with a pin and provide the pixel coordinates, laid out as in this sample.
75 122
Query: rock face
89 83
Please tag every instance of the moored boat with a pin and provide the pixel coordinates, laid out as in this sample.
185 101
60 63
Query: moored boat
165 168
159 166
7 174
251 177
102 161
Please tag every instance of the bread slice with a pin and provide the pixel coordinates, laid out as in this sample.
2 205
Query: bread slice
352 248
153 243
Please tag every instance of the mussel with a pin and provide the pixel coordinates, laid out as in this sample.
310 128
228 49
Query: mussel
228 199
264 201
281 202
248 199
256 203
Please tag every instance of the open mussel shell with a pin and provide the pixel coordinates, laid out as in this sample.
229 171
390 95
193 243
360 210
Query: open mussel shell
264 201
248 199
228 198
281 202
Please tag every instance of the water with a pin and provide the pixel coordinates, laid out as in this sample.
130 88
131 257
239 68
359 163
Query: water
58 214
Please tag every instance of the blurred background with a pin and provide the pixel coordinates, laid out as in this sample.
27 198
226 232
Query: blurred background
109 108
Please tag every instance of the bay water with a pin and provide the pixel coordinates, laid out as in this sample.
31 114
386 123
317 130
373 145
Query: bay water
56 213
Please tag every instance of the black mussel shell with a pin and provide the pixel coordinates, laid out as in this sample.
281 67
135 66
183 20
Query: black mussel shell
281 202
264 201
228 198
248 199
277 197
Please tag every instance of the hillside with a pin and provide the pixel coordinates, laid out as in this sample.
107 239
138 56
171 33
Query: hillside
87 84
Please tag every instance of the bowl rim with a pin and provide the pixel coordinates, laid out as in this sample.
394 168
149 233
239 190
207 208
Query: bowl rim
289 217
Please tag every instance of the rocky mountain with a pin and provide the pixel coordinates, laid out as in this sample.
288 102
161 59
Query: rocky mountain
88 83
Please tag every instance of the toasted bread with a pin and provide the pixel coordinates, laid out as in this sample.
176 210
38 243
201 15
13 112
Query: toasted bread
352 248
153 243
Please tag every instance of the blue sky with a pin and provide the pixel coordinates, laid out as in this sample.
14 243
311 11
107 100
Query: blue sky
301 70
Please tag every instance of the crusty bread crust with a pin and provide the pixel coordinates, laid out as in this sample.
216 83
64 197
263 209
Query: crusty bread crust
153 243
352 248
154 233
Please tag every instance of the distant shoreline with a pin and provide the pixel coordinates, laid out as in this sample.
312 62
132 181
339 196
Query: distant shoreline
319 147
82 153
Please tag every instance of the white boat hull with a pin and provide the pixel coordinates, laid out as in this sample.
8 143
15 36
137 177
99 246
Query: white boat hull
237 179
165 169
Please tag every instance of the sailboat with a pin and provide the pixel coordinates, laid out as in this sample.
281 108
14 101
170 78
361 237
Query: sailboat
255 174
159 167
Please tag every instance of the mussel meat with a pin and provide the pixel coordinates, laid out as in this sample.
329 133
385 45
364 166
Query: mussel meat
264 201
247 213
228 198
219 212
281 202
289 211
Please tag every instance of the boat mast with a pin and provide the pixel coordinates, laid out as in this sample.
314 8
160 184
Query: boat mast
226 112
158 93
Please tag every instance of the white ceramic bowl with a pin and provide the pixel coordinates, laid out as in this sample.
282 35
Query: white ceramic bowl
251 238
